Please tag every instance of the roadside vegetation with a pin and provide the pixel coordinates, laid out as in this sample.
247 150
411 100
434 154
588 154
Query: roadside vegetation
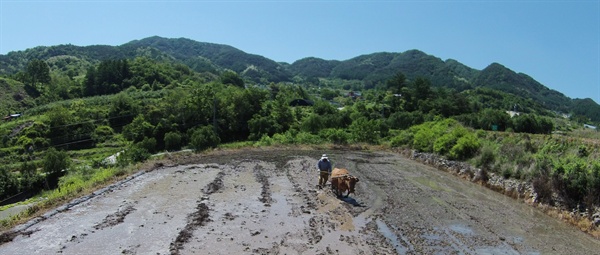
61 146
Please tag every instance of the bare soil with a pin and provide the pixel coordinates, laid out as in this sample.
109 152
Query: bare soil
260 201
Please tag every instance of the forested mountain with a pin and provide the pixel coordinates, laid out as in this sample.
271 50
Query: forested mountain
498 77
371 69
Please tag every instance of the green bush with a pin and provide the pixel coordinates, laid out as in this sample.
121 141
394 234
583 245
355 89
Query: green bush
265 140
486 158
308 138
405 138
9 185
132 155
55 164
173 141
444 143
313 123
288 137
102 134
465 147
204 138
365 130
137 130
148 144
334 135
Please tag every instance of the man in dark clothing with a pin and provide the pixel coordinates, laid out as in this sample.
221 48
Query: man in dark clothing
324 168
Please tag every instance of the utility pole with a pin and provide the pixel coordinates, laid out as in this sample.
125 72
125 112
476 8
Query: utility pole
215 115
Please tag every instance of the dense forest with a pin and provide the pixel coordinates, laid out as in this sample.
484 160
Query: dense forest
68 108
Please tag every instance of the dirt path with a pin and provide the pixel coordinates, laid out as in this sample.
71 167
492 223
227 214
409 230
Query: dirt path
265 202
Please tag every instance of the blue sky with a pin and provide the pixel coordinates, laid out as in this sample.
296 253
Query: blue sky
555 42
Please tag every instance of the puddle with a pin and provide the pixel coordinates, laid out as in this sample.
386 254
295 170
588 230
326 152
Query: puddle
461 229
392 238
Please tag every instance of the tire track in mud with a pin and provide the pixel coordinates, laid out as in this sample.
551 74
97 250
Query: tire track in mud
197 218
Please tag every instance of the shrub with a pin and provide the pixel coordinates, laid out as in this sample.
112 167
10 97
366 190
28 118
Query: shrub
487 157
289 137
465 147
203 138
55 164
102 133
137 130
308 138
148 144
506 172
9 184
365 130
423 140
132 155
265 140
542 186
313 123
173 141
405 138
336 136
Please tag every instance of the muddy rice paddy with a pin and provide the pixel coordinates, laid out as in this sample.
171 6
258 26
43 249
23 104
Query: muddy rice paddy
266 202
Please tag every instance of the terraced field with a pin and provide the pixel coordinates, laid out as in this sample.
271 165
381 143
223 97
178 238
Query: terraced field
266 202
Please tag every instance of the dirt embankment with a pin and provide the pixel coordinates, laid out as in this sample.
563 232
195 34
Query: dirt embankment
265 202
517 189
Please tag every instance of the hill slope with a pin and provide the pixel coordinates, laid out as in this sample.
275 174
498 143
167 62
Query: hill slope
373 68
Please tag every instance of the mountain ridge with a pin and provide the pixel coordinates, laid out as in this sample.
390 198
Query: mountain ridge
371 69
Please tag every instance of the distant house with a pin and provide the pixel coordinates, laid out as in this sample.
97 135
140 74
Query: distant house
354 94
12 116
589 126
301 102
513 113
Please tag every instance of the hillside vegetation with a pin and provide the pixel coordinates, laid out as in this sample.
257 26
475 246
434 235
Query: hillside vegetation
81 105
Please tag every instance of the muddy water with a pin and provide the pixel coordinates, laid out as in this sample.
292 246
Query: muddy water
265 202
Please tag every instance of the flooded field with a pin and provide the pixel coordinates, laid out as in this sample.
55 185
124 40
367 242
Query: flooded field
266 202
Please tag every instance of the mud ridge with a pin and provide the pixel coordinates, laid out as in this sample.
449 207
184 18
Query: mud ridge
265 194
195 220
215 185
8 236
198 218
115 218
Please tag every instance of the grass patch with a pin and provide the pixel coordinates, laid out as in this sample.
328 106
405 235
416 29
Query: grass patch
71 186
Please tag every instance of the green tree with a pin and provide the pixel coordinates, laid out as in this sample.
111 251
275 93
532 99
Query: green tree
491 117
232 78
55 164
313 123
203 138
422 89
102 134
329 94
396 83
138 129
365 130
172 141
148 144
122 110
37 72
262 126
8 183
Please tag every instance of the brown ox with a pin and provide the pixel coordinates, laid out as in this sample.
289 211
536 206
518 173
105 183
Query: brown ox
342 181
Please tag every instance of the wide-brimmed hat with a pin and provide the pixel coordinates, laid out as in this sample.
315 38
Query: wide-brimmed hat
324 156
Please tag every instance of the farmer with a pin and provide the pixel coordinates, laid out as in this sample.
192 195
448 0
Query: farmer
324 168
